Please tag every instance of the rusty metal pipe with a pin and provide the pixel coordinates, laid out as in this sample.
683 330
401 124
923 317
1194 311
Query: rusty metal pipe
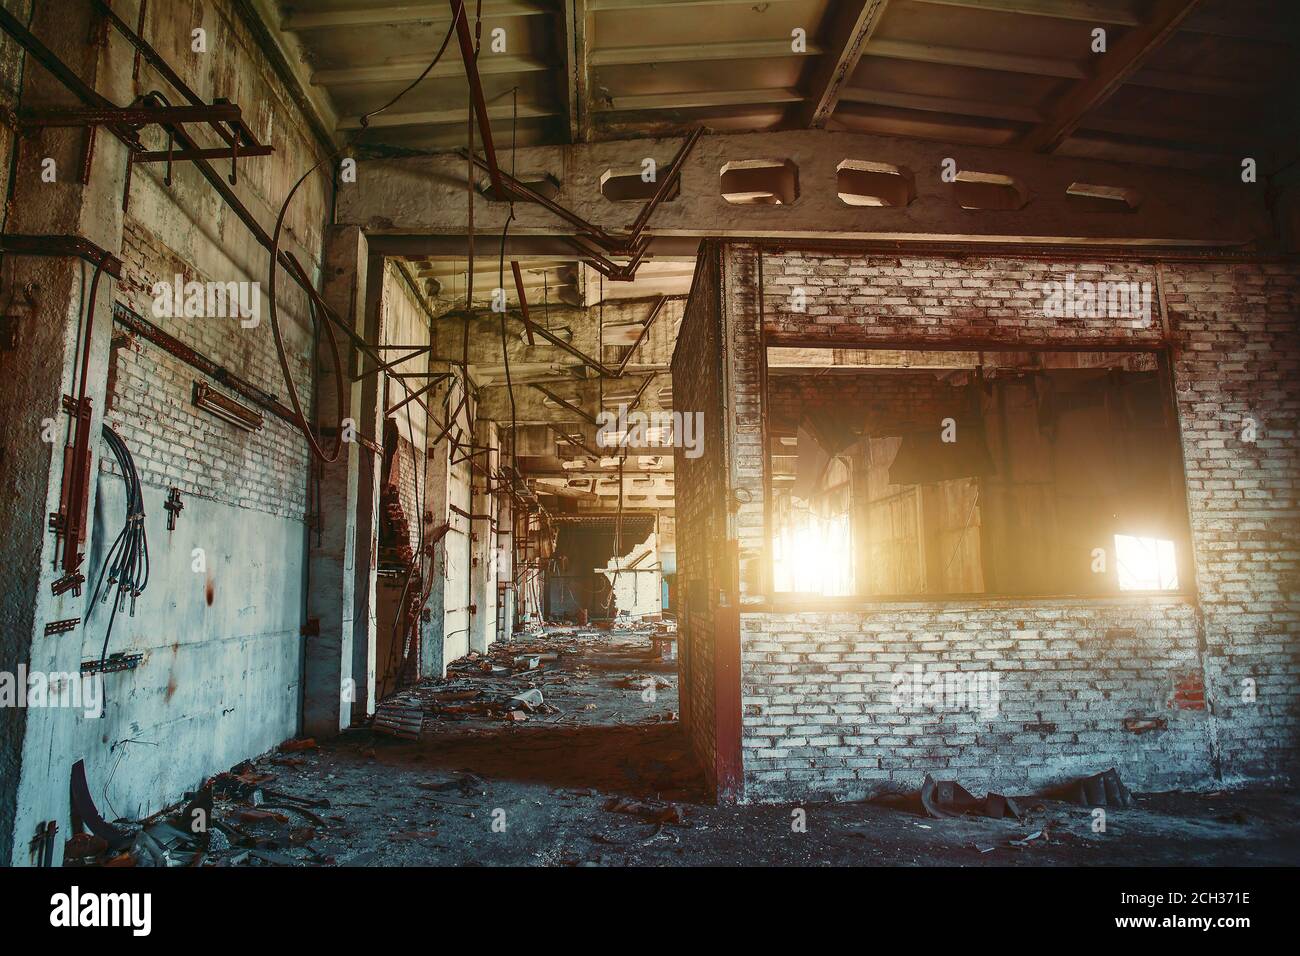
654 314
192 357
156 60
674 174
564 403
524 191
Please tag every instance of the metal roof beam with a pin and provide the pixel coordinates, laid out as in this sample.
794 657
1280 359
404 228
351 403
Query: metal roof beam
852 26
1121 60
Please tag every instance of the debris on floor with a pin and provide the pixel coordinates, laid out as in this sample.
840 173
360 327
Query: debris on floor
651 812
517 681
592 774
947 798
398 717
1100 790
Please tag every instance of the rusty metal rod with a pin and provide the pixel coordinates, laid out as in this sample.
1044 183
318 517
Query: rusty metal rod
23 245
156 60
485 130
645 330
523 299
524 191
564 403
666 184
128 115
415 395
594 364
419 350
142 327
158 156
78 87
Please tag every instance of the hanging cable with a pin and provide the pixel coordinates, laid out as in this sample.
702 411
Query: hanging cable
127 562
501 284
272 312
456 14
314 445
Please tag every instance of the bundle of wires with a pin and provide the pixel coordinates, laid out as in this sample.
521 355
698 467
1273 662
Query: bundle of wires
127 561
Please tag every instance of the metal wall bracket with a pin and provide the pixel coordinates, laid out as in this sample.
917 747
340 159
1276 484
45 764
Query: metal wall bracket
174 506
112 664
69 582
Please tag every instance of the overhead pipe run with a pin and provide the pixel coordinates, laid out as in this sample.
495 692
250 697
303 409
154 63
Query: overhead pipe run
466 43
631 245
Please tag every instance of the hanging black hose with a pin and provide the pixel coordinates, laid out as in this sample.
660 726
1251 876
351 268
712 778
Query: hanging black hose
127 562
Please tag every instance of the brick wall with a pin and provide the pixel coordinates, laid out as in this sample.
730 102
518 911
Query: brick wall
1238 357
150 404
219 628
409 491
700 495
994 299
1152 685
821 713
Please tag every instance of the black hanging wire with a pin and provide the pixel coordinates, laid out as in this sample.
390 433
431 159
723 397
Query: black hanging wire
418 559
127 562
501 284
455 16
317 451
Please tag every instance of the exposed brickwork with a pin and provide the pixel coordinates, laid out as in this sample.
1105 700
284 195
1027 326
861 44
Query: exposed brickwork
998 300
1152 685
700 497
408 491
742 307
820 715
1238 357
175 443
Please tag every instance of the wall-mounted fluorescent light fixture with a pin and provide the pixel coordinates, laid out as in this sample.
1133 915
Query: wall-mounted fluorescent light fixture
210 400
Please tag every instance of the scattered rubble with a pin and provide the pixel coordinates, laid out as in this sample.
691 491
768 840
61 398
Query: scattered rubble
651 812
590 773
947 798
1100 790
509 682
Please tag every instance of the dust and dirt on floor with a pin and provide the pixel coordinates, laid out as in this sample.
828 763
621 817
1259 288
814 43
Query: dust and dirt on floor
564 749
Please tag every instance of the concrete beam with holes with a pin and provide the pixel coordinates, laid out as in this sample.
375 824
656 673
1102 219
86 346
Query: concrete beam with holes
638 490
426 195
534 406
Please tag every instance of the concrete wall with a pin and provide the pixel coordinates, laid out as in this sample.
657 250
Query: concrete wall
458 547
1157 686
450 634
636 580
483 546
220 678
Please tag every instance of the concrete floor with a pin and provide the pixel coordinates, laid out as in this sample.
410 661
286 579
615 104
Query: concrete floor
485 792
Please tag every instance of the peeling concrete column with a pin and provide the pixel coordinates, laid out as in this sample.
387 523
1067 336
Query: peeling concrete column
330 686
433 658
483 587
504 543
365 566
38 745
